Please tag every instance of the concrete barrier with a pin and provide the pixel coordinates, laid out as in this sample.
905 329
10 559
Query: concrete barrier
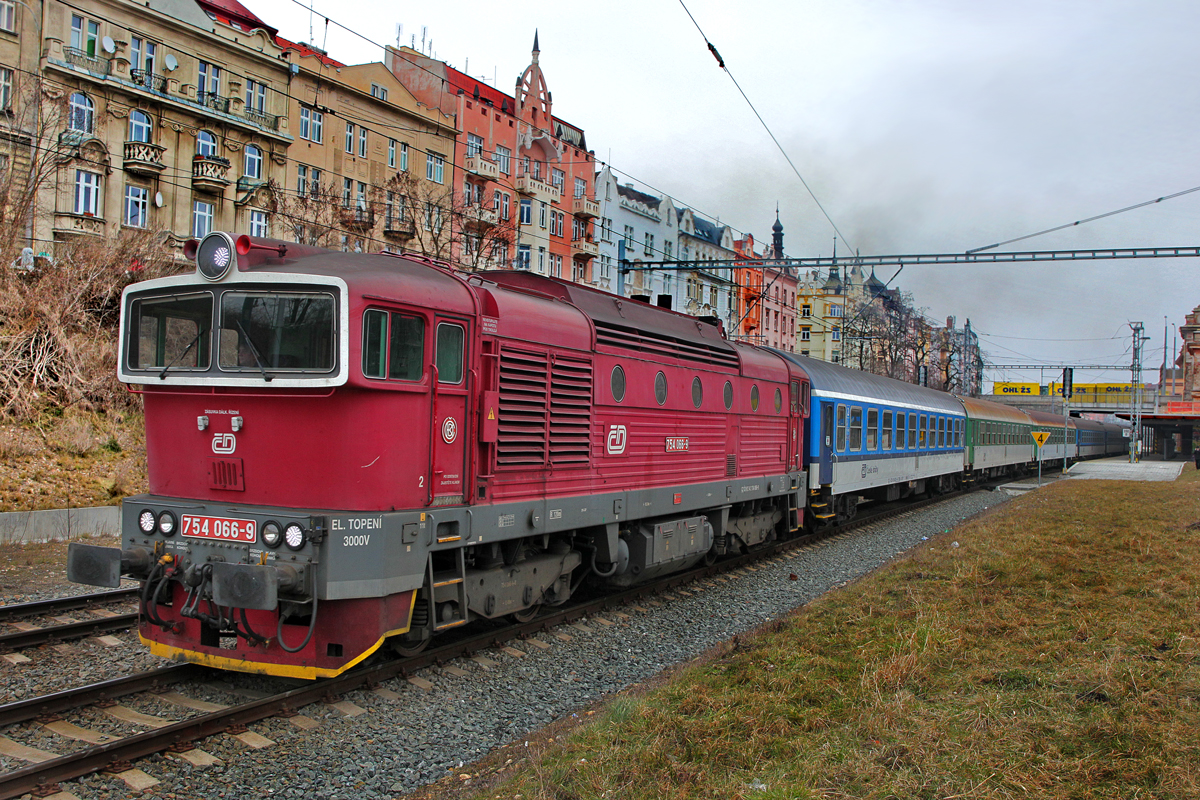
59 524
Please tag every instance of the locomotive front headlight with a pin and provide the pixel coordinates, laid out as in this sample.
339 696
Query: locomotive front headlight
166 523
272 534
146 521
293 534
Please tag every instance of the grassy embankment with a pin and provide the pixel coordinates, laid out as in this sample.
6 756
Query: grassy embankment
1053 653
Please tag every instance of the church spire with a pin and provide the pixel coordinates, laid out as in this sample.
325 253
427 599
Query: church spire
536 49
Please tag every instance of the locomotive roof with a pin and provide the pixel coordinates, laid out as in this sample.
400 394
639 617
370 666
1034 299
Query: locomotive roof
837 381
385 277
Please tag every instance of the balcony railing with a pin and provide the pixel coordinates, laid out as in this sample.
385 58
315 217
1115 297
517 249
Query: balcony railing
399 227
478 217
148 80
358 219
586 249
71 224
80 58
210 173
262 118
478 165
144 158
527 184
583 207
214 101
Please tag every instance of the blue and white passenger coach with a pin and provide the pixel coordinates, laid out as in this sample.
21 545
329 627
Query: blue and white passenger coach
875 438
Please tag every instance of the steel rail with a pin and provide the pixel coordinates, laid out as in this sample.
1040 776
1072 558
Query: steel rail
42 607
71 699
66 631
42 776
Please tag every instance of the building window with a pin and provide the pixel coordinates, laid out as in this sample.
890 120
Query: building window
87 193
6 87
504 206
474 145
82 113
84 34
360 197
836 334
541 215
523 256
806 334
140 126
835 311
347 191
378 91
404 156
208 83
362 142
526 212
628 237
393 209
350 138
8 16
141 56
558 178
202 219
256 96
314 181
301 181
580 187
206 144
254 161
137 206
392 153
433 218
806 310
541 265
503 155
258 223
311 122
435 167
648 244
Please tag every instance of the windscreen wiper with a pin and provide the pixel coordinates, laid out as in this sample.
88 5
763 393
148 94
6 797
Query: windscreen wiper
163 375
253 351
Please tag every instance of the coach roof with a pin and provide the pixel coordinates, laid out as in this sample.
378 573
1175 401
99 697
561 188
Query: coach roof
834 381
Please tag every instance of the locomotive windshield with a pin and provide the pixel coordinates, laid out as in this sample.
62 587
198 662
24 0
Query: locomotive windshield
171 332
276 331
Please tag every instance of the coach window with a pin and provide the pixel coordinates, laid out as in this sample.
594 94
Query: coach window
728 395
697 392
618 383
912 431
941 431
872 428
450 353
754 398
887 431
660 388
856 428
841 428
922 430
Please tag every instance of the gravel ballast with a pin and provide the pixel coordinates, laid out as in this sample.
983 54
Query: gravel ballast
398 745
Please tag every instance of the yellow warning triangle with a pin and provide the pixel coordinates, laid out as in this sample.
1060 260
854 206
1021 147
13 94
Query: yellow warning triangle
1040 437
491 413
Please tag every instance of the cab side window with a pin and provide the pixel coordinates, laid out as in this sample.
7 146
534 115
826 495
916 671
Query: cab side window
393 345
450 353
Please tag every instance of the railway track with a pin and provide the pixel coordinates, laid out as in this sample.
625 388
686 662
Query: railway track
117 754
24 634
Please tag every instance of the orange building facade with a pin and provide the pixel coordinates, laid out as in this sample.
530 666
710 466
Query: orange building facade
766 293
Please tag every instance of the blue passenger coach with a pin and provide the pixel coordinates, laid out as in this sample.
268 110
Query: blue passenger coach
876 438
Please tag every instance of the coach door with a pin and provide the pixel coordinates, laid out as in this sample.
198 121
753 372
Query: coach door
827 421
451 384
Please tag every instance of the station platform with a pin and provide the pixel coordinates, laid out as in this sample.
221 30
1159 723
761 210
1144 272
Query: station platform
1119 469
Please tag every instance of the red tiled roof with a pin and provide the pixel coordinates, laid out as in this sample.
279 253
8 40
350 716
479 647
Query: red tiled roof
307 50
232 11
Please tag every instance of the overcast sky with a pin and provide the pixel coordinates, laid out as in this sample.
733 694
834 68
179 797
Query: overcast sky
922 127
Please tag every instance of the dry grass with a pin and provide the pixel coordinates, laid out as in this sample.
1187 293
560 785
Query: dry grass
1055 654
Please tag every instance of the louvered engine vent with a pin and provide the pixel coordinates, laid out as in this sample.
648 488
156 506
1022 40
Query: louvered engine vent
545 410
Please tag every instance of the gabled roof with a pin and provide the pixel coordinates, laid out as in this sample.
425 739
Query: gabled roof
641 197
708 231
307 50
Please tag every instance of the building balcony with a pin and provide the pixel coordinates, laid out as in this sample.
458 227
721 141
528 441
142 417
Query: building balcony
585 250
585 208
269 121
149 81
213 101
93 64
399 228
528 185
478 218
359 220
144 158
478 165
210 173
70 225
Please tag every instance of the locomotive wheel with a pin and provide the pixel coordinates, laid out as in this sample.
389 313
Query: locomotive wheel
527 614
408 649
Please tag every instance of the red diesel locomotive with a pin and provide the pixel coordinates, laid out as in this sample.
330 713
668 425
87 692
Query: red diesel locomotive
350 449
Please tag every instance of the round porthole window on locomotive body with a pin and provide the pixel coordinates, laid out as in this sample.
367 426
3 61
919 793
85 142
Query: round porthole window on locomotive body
660 388
754 398
728 395
778 401
618 383
697 392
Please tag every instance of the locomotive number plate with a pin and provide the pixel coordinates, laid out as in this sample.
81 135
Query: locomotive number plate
227 530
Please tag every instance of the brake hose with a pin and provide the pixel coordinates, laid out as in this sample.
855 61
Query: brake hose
312 626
